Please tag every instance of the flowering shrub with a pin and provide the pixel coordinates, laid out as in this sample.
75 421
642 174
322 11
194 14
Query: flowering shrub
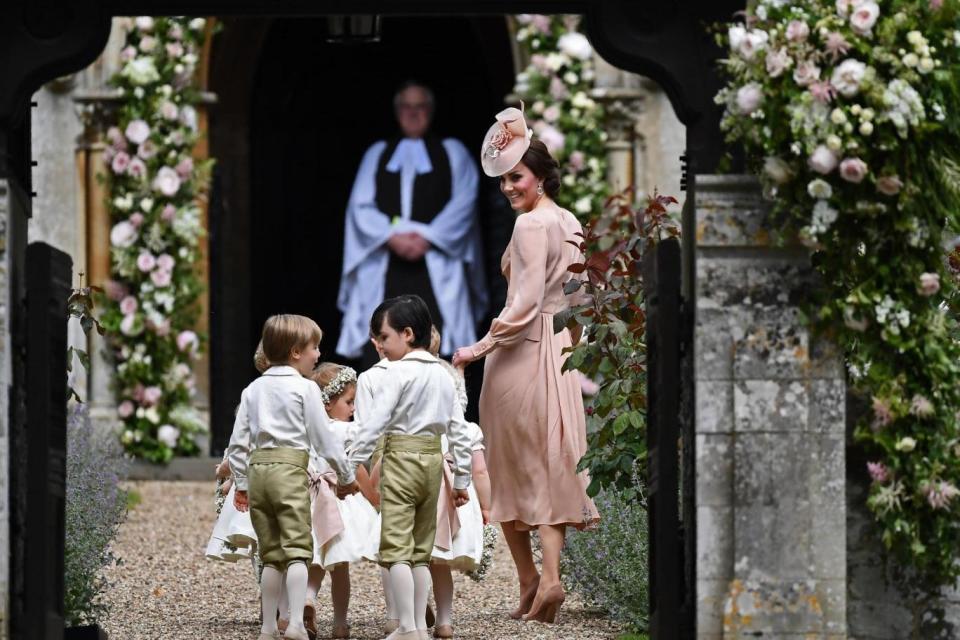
556 89
614 321
95 507
154 187
850 111
608 565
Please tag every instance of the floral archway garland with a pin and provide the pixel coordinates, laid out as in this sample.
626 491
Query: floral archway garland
850 111
555 87
154 187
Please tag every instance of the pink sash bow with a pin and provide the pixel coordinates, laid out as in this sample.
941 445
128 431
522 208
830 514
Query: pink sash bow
448 520
327 523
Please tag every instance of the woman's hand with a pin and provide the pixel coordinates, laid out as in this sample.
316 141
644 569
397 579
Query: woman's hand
462 357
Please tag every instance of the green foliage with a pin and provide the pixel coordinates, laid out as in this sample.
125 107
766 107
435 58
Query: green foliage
155 187
852 118
612 317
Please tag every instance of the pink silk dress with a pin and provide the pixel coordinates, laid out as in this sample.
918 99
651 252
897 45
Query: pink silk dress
531 414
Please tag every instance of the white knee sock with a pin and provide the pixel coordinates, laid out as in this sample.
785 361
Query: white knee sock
271 584
443 592
389 600
296 592
401 582
340 594
314 580
421 591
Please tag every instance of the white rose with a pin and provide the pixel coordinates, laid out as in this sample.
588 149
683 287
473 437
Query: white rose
168 434
853 170
555 61
847 77
188 116
123 234
837 116
754 41
834 143
777 169
749 98
144 23
926 65
146 204
137 131
570 78
736 35
575 45
197 24
152 415
823 160
911 60
866 128
583 205
929 284
819 189
864 16
806 73
906 445
142 70
167 181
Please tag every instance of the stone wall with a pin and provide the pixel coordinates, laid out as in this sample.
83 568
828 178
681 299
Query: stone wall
771 557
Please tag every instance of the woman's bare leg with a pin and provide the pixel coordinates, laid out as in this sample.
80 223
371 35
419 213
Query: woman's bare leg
527 574
550 594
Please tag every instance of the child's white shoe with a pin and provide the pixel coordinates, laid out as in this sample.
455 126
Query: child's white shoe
295 633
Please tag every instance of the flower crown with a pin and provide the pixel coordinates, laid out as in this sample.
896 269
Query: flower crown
335 387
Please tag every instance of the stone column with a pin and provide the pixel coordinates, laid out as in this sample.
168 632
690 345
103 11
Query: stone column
771 532
623 106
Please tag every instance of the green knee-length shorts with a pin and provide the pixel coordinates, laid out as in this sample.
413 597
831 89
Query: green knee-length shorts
279 491
410 477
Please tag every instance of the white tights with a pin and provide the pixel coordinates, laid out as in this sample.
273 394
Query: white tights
411 588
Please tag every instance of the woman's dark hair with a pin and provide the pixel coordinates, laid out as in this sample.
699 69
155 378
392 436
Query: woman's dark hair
401 312
542 164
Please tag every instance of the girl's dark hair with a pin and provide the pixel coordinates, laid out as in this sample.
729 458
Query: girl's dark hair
401 312
542 164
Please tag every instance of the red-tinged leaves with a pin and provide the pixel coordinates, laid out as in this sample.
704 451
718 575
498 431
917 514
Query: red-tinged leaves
578 267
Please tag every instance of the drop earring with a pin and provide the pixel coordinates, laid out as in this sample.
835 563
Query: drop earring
540 189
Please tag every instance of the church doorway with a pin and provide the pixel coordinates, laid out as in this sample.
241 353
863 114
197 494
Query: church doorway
294 117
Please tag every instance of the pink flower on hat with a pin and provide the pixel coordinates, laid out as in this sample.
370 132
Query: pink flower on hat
501 138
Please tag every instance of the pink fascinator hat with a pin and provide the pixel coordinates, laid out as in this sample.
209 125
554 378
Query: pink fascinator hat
505 142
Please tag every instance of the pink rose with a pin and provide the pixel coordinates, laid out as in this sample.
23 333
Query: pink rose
844 6
188 340
749 98
174 49
551 113
137 131
539 61
148 43
889 185
169 111
176 138
929 284
184 168
161 277
128 54
878 472
853 170
806 73
558 89
147 149
167 181
551 137
137 393
137 168
162 329
175 32
120 162
115 291
128 305
125 409
797 31
577 160
116 139
169 213
146 262
822 160
778 61
151 396
166 261
541 23
123 234
864 16
136 218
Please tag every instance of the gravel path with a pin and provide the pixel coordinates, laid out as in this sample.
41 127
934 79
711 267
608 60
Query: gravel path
165 588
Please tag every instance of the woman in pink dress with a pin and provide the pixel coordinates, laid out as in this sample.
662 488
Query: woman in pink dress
530 412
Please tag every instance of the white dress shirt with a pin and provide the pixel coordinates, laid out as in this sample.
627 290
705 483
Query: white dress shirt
281 408
416 397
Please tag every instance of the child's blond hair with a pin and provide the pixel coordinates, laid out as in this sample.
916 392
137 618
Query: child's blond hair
326 373
434 341
285 332
260 359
